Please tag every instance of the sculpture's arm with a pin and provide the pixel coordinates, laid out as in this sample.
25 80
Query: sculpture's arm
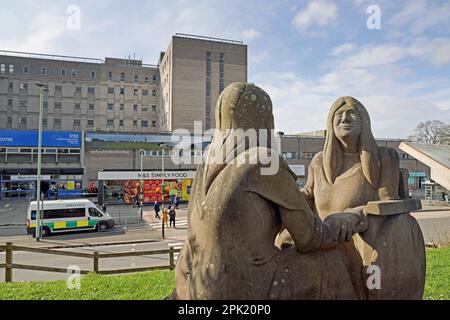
389 174
308 190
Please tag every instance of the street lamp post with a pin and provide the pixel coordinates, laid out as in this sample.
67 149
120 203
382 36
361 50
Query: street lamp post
163 146
39 164
141 153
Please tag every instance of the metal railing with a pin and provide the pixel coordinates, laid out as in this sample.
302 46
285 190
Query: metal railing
9 264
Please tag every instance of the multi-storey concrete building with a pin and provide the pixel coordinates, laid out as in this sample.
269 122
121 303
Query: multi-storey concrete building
121 95
194 71
118 95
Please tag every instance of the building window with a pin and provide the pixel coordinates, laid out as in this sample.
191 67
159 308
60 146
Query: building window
121 123
63 72
154 124
144 124
74 73
77 106
308 155
23 120
154 77
110 107
78 90
146 79
122 90
110 123
122 76
76 122
9 121
111 90
135 92
90 123
26 69
44 122
136 78
57 123
10 85
2 68
10 102
134 123
43 71
91 90
91 106
144 108
11 68
154 93
58 88
154 108
145 92
208 91
135 108
122 107
92 75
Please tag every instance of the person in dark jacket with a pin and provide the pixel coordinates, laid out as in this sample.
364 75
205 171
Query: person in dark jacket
157 209
172 214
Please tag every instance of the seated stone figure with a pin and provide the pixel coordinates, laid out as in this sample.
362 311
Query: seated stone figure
236 211
353 172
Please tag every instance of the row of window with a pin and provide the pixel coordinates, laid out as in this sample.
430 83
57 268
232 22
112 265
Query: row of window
77 106
110 123
43 150
168 153
73 73
91 90
135 107
293 155
77 122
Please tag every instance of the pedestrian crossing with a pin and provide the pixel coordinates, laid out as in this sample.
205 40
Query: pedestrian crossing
181 224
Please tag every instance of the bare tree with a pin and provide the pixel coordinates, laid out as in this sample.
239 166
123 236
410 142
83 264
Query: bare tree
432 132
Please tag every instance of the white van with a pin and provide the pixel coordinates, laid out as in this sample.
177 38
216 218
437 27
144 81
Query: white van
68 215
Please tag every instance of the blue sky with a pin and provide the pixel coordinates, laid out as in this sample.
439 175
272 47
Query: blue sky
305 54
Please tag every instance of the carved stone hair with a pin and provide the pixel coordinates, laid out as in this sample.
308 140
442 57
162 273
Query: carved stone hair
367 148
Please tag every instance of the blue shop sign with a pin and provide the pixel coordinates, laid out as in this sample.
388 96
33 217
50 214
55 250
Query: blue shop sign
61 139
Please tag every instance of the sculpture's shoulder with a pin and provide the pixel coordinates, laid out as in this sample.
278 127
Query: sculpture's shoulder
388 156
317 160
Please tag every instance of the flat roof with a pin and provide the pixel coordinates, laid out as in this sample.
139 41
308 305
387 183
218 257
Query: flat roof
438 152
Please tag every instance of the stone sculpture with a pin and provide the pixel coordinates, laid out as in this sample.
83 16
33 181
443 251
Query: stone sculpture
353 172
236 212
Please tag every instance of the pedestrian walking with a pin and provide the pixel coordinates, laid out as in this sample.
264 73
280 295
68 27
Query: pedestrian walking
157 209
176 200
172 214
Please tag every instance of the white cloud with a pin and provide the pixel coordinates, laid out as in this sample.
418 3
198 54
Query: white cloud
434 51
318 13
346 47
250 34
259 57
421 15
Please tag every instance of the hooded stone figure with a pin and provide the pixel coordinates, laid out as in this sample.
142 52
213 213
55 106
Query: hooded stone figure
351 171
237 209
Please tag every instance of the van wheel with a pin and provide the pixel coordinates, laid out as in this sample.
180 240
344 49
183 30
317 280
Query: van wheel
45 232
102 226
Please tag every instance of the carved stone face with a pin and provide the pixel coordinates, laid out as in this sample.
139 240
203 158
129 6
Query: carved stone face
346 122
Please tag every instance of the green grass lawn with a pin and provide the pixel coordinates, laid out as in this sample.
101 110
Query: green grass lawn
156 285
